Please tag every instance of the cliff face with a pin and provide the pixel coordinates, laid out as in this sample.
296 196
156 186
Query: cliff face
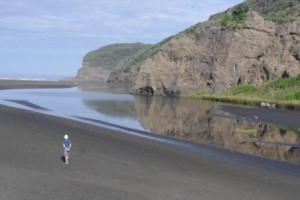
209 57
98 64
92 73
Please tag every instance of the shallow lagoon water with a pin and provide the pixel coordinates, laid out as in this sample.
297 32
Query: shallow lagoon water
70 102
190 120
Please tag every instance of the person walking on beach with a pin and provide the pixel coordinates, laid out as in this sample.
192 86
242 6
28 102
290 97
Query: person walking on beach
67 147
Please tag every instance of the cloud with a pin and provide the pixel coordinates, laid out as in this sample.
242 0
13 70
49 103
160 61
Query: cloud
82 25
38 23
84 17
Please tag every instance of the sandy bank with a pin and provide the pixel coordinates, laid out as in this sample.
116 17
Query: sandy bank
11 84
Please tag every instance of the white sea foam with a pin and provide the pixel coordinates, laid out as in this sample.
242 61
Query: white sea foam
29 77
23 79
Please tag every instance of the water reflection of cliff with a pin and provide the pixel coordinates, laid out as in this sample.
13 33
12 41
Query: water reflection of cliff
204 122
112 108
102 86
117 106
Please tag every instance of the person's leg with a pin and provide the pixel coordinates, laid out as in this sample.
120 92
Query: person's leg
66 156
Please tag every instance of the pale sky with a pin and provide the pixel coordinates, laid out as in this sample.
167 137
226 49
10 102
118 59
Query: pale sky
51 36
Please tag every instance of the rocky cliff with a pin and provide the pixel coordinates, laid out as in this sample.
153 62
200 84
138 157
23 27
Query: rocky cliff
98 64
217 54
92 73
216 58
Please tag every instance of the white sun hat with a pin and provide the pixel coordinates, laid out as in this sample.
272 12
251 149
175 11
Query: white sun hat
66 136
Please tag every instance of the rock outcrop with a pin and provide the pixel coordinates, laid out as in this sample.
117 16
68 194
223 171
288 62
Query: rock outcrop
209 57
93 73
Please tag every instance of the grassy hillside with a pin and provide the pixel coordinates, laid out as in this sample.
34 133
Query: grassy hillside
280 89
278 11
283 92
133 62
109 56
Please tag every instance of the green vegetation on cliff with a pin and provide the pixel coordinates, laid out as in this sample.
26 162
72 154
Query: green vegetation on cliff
278 11
286 89
283 92
237 17
134 62
109 56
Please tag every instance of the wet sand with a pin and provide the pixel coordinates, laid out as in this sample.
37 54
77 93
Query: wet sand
110 164
11 84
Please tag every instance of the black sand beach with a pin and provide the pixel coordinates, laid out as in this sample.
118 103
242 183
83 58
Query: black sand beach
11 84
110 164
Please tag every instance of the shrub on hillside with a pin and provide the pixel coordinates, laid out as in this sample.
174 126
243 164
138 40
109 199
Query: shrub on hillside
238 16
240 13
